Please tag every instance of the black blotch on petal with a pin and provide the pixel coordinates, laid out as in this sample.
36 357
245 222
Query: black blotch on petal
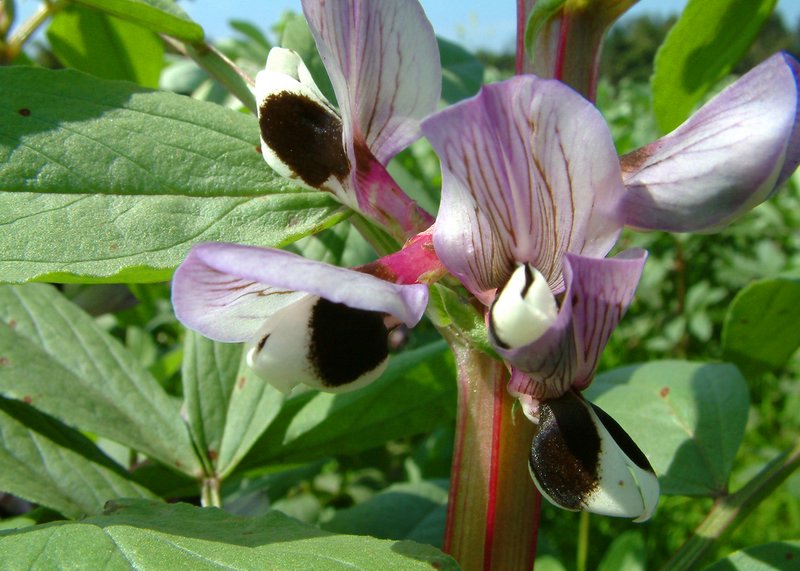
622 439
305 135
346 342
565 452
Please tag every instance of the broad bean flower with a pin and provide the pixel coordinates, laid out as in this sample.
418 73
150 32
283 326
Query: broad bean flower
533 199
383 62
306 322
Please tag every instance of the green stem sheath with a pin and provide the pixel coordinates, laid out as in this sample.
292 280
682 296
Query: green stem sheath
493 510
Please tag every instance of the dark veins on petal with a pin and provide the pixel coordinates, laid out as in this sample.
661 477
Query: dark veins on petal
305 135
346 342
565 452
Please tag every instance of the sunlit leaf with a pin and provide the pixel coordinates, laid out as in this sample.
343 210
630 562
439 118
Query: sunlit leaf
106 46
227 405
55 357
702 47
126 180
162 16
760 332
149 535
53 465
688 418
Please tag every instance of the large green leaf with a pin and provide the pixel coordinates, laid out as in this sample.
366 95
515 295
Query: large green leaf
702 47
96 238
760 332
106 46
418 513
162 16
53 465
130 179
227 405
767 557
688 418
59 360
149 535
414 395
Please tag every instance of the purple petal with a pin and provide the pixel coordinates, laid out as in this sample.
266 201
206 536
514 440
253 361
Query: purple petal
226 291
383 62
725 159
598 291
529 172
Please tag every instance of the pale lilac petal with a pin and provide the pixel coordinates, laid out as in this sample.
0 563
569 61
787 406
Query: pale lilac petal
383 61
600 292
529 172
226 291
725 159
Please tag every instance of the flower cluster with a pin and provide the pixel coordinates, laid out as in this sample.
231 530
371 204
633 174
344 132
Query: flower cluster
534 197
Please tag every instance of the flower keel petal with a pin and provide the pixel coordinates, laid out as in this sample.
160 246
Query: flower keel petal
581 459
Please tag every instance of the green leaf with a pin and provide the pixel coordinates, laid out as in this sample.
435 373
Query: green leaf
227 405
701 49
149 535
194 166
418 513
767 557
414 395
54 356
208 373
53 465
141 238
162 16
70 133
106 46
462 72
626 553
760 331
688 418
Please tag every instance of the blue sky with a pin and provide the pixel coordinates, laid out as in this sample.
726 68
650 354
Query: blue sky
475 23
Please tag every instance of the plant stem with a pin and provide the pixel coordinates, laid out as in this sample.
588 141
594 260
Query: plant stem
493 510
27 29
209 493
730 511
220 68
583 542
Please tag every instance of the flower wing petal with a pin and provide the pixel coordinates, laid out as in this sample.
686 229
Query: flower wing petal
529 173
581 459
383 61
725 159
226 291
